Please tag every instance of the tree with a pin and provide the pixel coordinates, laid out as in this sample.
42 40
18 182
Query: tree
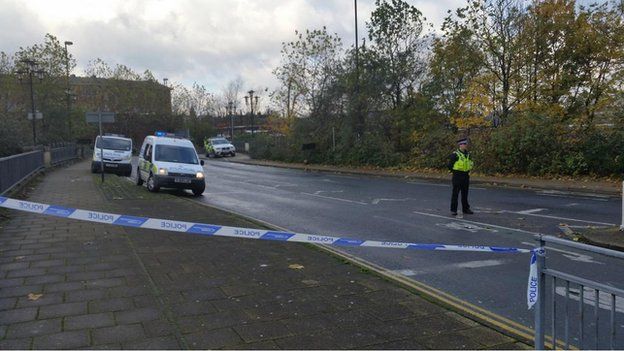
308 69
395 29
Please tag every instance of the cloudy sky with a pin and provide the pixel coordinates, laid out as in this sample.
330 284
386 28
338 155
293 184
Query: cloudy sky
210 42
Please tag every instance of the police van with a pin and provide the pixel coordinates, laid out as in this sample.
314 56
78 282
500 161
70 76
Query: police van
117 154
169 161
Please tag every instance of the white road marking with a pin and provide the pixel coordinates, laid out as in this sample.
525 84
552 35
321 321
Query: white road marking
531 211
277 185
431 184
604 299
226 193
572 204
574 197
443 185
377 201
465 226
450 267
336 198
573 193
571 255
479 264
328 191
557 217
405 272
480 223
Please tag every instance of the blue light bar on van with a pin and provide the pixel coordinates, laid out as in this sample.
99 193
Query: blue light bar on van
160 133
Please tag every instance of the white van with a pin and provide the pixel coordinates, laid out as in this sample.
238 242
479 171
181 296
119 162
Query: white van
117 156
167 161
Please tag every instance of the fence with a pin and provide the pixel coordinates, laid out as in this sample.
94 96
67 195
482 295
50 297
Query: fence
14 169
63 153
562 305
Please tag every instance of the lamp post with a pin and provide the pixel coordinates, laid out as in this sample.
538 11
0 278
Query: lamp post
230 111
252 102
30 70
68 90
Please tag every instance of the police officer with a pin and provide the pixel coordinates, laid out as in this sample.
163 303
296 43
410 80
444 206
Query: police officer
460 164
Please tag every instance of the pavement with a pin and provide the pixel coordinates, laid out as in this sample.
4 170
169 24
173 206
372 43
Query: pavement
602 186
67 284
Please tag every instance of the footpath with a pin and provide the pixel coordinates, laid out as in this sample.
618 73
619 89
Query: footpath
67 284
608 237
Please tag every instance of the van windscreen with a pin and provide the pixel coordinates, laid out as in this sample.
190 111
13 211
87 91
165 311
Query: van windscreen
177 154
113 144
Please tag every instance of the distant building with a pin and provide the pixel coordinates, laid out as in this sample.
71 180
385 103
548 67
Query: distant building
88 93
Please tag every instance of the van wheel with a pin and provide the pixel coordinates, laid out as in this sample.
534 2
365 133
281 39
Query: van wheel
139 181
199 190
151 184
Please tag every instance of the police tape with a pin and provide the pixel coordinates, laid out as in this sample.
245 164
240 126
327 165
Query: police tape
247 233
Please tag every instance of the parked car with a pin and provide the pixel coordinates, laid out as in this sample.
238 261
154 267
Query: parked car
219 147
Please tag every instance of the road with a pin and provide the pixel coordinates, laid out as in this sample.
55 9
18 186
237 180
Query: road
417 211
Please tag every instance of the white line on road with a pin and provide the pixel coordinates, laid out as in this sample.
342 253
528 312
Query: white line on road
443 185
464 226
377 201
227 193
531 211
431 184
336 198
604 299
450 267
571 255
556 217
572 193
405 272
479 223
574 197
479 264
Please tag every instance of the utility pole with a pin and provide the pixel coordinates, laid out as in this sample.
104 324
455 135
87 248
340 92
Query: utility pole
30 70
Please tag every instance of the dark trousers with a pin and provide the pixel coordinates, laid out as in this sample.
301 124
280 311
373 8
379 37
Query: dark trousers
461 183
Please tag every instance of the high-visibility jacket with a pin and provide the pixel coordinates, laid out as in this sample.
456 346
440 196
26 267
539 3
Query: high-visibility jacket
463 163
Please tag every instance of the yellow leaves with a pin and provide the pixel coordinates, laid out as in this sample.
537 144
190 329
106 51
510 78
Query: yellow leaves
476 104
295 266
34 297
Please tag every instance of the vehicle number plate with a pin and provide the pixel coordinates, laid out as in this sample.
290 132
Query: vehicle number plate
182 180
112 165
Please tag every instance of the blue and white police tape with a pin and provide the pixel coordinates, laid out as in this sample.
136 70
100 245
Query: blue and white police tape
247 233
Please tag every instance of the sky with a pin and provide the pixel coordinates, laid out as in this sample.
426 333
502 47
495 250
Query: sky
210 42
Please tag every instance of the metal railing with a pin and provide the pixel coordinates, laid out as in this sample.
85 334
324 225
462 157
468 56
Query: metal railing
63 153
563 317
14 169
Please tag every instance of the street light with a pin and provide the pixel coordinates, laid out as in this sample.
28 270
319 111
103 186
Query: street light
230 110
252 102
68 90
31 69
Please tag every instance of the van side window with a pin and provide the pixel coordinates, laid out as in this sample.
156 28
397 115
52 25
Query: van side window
148 153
